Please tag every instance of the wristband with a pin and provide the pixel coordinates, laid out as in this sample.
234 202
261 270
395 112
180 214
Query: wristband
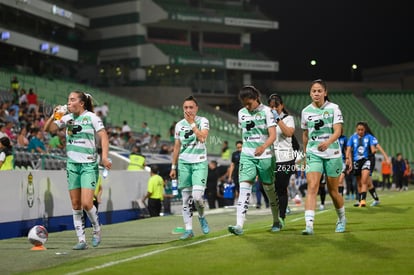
173 166
192 125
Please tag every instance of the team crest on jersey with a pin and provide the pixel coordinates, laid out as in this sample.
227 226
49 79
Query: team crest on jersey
325 115
85 121
258 116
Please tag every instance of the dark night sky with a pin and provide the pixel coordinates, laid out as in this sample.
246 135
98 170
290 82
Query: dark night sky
337 34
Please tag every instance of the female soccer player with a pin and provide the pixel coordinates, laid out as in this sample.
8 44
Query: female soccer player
82 126
322 124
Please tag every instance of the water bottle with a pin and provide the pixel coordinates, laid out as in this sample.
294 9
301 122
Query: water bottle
105 171
174 187
30 190
60 112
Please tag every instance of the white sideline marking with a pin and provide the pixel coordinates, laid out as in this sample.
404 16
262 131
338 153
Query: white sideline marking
162 250
143 255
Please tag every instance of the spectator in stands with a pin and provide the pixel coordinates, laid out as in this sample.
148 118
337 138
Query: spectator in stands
32 101
155 142
9 131
155 192
23 97
146 134
57 141
82 126
36 144
105 110
4 113
171 131
3 130
15 86
136 159
13 115
125 127
115 140
6 154
130 142
321 122
190 156
257 157
165 149
22 140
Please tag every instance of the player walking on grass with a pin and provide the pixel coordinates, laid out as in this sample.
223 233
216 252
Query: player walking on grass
257 156
284 152
82 126
190 157
362 149
322 123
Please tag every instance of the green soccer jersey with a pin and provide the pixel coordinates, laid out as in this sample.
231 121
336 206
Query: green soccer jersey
255 132
80 136
319 122
192 150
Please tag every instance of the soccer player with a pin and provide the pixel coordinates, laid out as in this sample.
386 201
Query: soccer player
190 157
321 122
284 151
82 127
257 156
358 158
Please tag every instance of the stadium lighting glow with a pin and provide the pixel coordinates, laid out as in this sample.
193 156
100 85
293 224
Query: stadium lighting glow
44 47
354 66
5 36
313 62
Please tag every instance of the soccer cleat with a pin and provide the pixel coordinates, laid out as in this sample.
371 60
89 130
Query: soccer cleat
340 226
96 238
375 203
188 234
204 225
321 207
282 222
362 203
308 231
80 246
236 230
356 204
288 210
277 226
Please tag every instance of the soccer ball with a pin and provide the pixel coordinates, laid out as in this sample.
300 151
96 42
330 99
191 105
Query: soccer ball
38 235
297 200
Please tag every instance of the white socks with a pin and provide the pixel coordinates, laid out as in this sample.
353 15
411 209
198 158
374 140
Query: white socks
309 217
94 218
243 202
79 224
